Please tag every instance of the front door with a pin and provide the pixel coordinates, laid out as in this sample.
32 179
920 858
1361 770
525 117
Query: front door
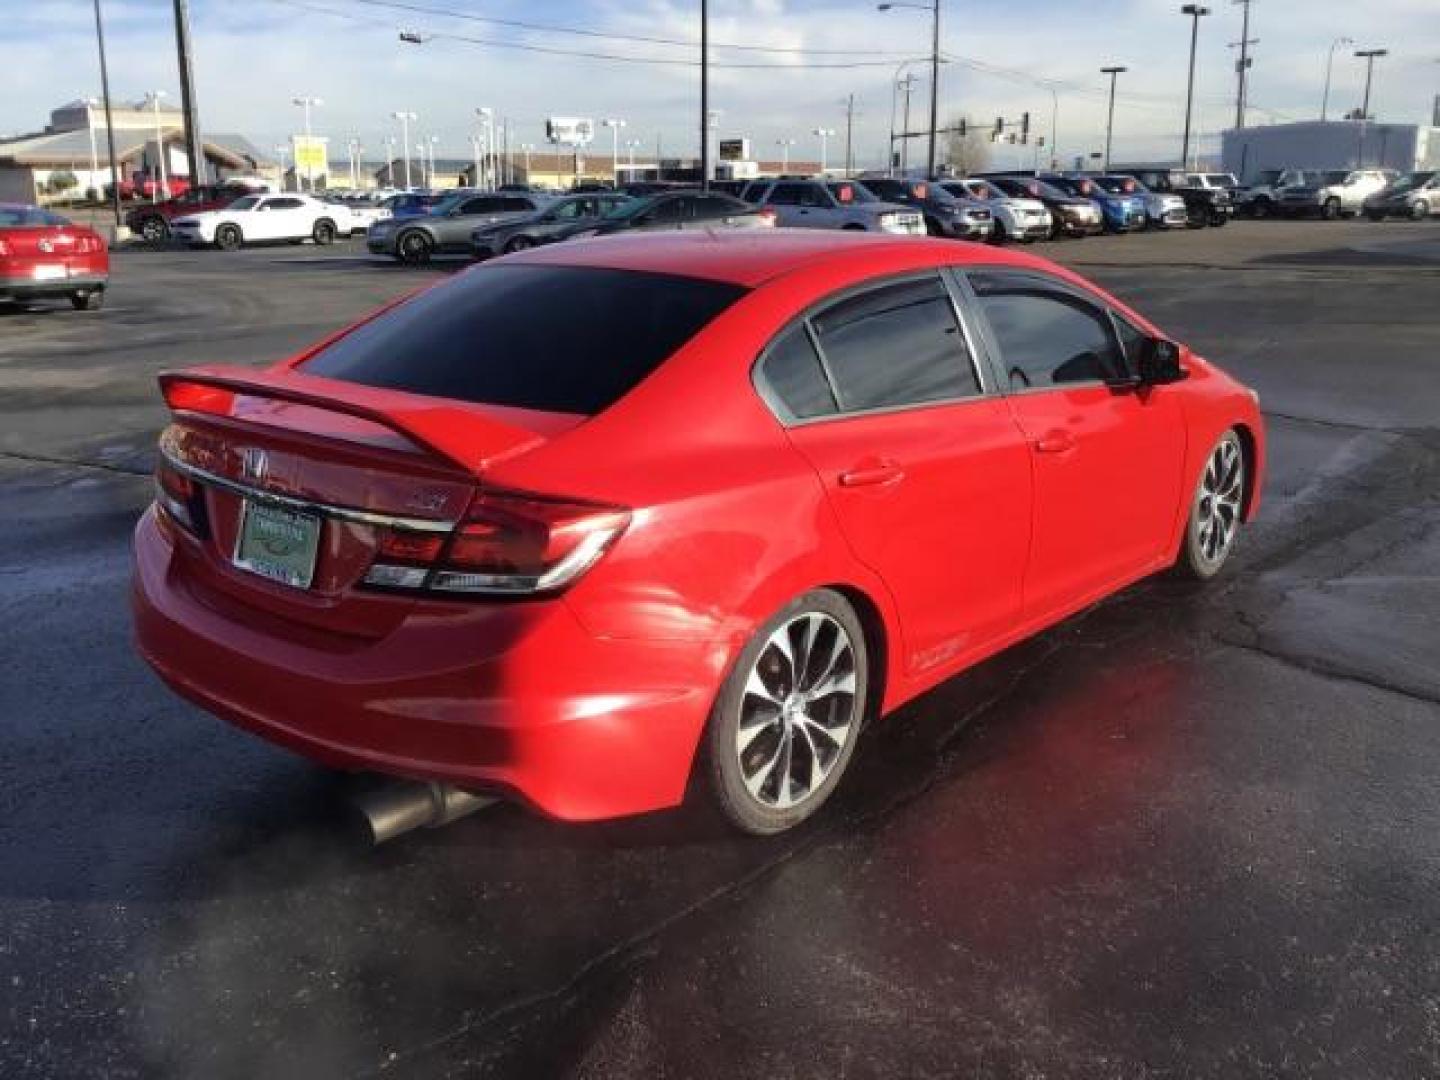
1107 456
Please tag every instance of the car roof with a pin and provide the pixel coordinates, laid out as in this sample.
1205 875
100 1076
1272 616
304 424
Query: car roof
751 257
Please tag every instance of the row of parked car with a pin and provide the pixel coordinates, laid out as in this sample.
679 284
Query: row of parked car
993 207
1336 193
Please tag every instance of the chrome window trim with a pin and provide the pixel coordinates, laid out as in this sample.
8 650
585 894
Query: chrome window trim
291 502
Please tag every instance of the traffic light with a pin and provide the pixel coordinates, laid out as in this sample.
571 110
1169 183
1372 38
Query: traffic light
999 126
1024 127
964 128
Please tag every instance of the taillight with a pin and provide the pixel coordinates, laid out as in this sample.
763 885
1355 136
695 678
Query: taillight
178 496
5 249
768 213
197 397
509 543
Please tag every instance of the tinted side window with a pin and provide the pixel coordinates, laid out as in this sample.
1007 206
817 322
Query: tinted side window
717 206
792 371
676 209
896 345
486 204
1047 336
788 194
555 338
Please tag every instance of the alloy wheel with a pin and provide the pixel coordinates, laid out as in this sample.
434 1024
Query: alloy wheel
1218 501
798 711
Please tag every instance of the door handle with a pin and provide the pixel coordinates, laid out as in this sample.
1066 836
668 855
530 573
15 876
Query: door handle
1058 441
880 475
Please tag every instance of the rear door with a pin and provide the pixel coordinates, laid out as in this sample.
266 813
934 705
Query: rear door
927 473
278 217
1107 457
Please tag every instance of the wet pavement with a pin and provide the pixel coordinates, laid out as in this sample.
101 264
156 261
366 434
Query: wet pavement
1190 832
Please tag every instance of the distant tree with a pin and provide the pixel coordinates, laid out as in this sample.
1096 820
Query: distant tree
62 181
968 153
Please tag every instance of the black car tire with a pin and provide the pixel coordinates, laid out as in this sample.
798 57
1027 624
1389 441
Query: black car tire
88 299
1261 208
1218 219
998 235
1196 219
1375 215
1419 210
324 232
1198 559
1331 210
154 229
518 243
414 246
229 237
722 771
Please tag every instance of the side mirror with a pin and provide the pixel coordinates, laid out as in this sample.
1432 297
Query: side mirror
1160 363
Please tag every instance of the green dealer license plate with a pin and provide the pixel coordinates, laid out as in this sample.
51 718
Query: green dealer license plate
278 544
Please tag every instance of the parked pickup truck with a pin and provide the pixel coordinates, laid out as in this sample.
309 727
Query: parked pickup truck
152 222
1335 192
833 204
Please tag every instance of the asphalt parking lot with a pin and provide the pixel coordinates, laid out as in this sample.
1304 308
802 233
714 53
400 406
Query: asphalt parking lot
1190 832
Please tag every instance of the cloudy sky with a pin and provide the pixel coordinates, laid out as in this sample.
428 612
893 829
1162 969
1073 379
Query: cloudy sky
802 58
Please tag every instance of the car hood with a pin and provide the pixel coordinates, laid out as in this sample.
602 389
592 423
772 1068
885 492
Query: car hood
1012 203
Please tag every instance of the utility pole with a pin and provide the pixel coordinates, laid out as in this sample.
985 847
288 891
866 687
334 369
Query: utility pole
1110 116
704 95
849 134
1369 56
109 125
1242 66
934 92
1330 63
1196 13
190 113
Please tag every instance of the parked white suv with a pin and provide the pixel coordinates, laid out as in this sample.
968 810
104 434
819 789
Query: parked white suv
1335 192
1015 218
257 218
832 204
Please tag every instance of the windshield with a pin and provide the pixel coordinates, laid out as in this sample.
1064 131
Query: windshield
448 203
1118 185
1334 176
627 210
246 202
1413 181
1224 180
975 189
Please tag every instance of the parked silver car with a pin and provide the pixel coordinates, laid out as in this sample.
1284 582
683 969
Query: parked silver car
1335 193
833 204
1019 219
446 226
1415 196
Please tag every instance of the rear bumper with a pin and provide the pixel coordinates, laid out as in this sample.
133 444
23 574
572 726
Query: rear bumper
514 697
21 288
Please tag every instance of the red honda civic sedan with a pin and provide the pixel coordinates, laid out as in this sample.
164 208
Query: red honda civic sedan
573 524
45 255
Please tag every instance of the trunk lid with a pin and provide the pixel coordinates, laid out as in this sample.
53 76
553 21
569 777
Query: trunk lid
359 473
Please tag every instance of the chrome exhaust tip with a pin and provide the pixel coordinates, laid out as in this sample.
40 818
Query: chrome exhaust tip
397 807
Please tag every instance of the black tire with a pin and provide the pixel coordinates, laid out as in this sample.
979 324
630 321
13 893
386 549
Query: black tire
1331 210
1261 208
749 809
518 243
1419 210
1218 220
998 236
324 232
1195 219
229 237
1375 215
1218 500
154 229
414 246
88 299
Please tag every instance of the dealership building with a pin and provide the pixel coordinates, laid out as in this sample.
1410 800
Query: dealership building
72 153
1330 144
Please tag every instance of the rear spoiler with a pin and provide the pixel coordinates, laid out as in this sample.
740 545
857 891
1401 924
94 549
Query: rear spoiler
470 436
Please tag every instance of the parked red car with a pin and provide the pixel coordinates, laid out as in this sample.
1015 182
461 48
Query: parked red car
152 222
44 255
552 526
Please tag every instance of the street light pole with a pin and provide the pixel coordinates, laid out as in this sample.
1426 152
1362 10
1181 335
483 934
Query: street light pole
90 104
487 132
1369 56
704 95
527 147
824 134
934 8
784 145
1110 116
156 192
1196 13
1329 64
194 150
614 125
405 118
1243 65
284 152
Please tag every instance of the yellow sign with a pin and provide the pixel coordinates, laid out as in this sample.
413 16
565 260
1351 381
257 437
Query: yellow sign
311 156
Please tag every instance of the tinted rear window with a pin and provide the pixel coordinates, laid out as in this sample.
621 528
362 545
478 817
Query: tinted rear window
554 338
